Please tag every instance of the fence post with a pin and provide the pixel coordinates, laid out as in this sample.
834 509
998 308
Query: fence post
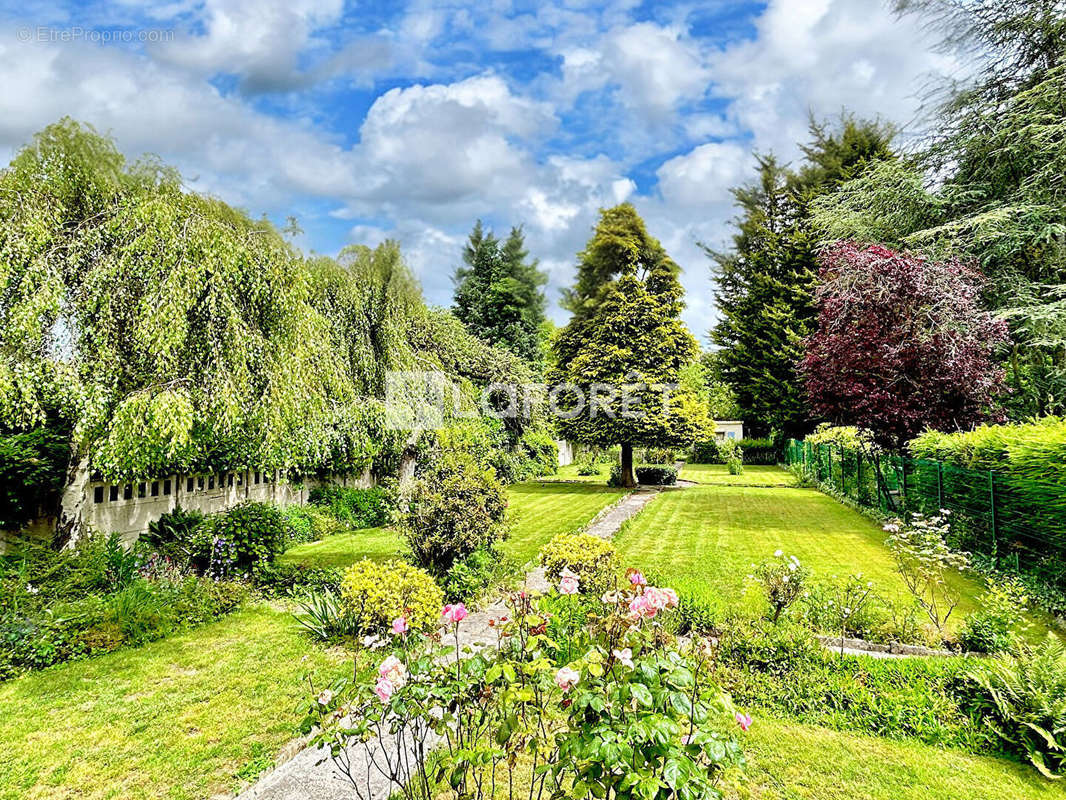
903 486
939 486
992 507
858 477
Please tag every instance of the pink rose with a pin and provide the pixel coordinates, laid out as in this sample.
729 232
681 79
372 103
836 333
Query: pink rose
636 577
656 598
625 657
454 613
565 678
325 697
671 598
400 626
743 720
394 671
640 608
568 582
384 689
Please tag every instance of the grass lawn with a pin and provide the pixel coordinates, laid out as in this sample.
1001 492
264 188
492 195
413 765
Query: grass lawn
704 539
178 718
538 511
569 473
789 761
342 549
718 475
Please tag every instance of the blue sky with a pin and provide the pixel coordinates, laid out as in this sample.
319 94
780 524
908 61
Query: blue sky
411 120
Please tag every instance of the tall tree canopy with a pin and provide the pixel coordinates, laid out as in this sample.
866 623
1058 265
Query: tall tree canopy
624 342
902 345
499 294
987 183
171 332
765 283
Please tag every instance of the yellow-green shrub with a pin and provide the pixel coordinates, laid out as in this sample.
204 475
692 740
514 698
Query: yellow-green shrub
375 593
589 557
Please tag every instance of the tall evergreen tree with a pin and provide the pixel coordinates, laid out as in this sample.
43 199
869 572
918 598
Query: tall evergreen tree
499 294
624 343
766 283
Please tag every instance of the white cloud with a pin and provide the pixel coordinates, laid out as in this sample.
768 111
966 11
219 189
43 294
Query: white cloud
704 175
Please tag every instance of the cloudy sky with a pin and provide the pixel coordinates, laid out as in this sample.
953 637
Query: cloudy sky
410 120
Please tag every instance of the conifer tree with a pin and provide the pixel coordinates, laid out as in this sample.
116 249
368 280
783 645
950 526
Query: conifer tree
498 292
624 344
766 283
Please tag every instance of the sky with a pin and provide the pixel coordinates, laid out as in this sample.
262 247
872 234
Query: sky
410 120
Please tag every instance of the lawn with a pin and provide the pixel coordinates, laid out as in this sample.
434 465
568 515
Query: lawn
789 760
342 549
569 473
177 719
538 511
718 475
704 540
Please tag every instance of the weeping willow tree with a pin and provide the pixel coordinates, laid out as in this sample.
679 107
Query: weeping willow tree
987 183
169 332
172 331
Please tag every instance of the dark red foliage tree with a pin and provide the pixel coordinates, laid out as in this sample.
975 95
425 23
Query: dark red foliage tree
902 344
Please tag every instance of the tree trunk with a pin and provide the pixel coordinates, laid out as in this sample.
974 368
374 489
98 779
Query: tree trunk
69 526
629 480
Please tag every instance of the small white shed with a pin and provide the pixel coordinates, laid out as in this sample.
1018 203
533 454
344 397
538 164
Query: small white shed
728 429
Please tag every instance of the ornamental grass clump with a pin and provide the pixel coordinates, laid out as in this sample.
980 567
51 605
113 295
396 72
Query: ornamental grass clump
571 700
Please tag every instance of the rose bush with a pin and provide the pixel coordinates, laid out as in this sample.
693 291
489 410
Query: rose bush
576 698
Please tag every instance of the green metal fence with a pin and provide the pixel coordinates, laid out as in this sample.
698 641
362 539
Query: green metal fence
1016 524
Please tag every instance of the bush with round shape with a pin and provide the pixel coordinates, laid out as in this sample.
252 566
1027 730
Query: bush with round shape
657 475
240 540
451 511
374 594
589 557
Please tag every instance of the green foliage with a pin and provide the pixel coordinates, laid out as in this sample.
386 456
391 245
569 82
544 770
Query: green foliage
658 455
309 524
286 580
587 467
240 541
1000 613
626 334
33 467
731 454
784 669
498 293
846 436
374 594
469 576
657 474
589 557
357 508
451 511
1022 698
173 534
765 283
133 613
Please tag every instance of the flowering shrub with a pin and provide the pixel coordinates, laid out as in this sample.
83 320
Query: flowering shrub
924 561
589 557
730 454
239 541
784 580
375 594
600 703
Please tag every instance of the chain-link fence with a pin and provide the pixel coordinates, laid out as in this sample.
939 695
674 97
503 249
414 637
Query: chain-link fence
1014 523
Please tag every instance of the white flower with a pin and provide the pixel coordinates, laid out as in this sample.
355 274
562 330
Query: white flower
778 553
31 589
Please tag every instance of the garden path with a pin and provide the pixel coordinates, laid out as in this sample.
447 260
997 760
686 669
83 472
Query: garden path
310 774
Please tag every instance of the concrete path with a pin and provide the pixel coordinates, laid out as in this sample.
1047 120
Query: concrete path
310 774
